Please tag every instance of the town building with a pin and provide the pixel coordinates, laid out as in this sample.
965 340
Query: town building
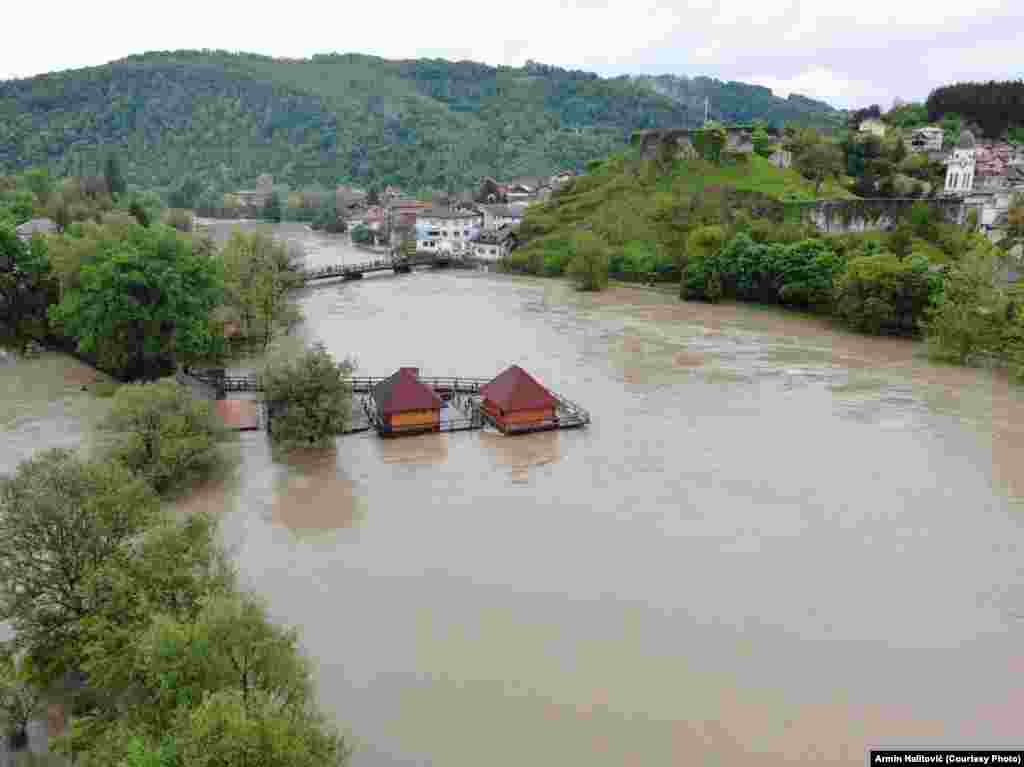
528 189
494 244
516 401
960 167
497 216
405 405
445 229
35 226
258 197
873 126
926 139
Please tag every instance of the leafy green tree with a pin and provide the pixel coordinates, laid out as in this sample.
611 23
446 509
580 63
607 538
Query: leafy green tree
969 317
139 212
113 175
164 434
61 520
19 702
819 161
39 181
227 730
901 241
260 273
272 209
309 396
362 235
141 299
1015 216
589 265
27 289
885 294
763 143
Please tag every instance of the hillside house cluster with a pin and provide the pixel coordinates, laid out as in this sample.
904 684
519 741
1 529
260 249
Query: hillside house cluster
986 175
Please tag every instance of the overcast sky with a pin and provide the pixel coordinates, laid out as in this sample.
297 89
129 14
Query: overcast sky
845 52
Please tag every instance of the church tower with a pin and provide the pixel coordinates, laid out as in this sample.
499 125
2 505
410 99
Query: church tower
960 167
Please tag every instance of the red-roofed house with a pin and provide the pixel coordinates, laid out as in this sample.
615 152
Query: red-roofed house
404 404
515 401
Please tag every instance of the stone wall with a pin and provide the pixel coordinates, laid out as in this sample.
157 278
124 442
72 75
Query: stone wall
840 216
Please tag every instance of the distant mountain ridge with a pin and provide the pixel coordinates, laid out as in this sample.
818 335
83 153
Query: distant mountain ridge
224 118
732 101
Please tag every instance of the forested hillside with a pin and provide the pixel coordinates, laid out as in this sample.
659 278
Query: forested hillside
742 102
223 118
997 107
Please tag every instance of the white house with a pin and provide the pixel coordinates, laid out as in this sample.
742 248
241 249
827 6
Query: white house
960 166
926 139
497 216
493 245
873 126
443 230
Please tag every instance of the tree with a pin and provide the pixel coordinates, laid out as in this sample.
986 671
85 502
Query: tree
968 318
164 434
901 241
763 143
1015 216
589 264
27 289
19 701
309 396
61 520
885 294
139 212
819 161
142 300
361 234
259 275
112 174
272 208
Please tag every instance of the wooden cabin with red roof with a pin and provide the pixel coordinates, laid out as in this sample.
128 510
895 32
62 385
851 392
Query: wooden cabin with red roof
515 401
406 405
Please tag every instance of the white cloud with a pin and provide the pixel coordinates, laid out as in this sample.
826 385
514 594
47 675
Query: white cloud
825 85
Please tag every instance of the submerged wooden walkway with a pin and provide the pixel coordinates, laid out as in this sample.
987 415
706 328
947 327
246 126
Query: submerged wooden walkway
459 393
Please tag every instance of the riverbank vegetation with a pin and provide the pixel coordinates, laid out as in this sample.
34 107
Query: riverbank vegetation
133 618
734 231
138 293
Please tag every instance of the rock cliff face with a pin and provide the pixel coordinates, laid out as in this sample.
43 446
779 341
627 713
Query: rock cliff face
679 142
841 216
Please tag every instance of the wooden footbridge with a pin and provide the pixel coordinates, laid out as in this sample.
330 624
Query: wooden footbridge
460 393
396 264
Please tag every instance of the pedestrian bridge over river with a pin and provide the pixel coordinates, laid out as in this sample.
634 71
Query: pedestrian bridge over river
396 264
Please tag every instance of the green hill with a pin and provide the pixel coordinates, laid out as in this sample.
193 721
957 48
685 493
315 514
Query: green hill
646 211
224 118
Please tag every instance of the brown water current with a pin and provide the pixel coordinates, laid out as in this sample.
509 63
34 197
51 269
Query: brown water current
776 542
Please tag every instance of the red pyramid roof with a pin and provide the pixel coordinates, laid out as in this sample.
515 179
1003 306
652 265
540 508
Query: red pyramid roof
515 389
403 392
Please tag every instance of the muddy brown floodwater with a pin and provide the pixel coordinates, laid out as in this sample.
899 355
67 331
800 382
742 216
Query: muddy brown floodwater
777 542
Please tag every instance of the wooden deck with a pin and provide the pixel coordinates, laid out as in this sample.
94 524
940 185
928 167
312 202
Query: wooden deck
461 395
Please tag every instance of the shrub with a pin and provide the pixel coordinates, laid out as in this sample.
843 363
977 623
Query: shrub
885 294
309 395
164 434
589 265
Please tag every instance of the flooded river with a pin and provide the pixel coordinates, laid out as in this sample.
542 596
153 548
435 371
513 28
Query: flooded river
777 541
